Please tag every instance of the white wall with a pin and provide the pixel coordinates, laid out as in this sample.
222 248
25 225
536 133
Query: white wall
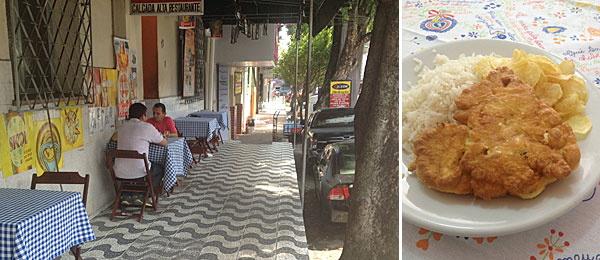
245 49
102 35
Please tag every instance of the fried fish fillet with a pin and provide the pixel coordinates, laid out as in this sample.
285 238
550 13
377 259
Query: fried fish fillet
439 151
513 143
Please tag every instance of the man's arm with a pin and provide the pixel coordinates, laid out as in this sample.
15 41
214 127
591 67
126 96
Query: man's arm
156 137
171 127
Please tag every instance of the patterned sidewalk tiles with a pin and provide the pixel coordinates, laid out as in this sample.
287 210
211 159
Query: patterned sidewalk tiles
243 203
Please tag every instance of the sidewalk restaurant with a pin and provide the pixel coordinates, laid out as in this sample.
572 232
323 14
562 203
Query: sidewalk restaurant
64 92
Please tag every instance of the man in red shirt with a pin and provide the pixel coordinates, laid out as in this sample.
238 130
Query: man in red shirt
162 122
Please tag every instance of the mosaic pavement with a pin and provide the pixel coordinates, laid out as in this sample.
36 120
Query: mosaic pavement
243 203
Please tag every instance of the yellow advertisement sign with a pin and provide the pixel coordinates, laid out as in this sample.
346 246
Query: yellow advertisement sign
109 86
72 127
16 143
237 81
48 146
339 93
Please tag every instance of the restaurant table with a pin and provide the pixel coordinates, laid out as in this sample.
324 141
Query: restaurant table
41 224
569 29
175 157
220 116
197 127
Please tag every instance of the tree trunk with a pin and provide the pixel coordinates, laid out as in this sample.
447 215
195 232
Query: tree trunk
347 60
373 223
336 43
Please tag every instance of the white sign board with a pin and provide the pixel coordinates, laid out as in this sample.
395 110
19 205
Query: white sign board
223 88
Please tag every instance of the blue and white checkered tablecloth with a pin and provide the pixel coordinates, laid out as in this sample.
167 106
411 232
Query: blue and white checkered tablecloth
198 127
220 116
176 157
41 224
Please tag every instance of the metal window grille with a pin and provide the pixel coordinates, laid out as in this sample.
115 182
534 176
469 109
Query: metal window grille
51 52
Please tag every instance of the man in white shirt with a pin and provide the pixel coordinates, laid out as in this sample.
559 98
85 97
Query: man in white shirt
136 134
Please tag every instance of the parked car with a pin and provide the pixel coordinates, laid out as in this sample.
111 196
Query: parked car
325 127
281 91
334 179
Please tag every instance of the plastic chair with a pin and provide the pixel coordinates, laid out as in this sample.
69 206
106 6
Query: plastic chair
124 185
64 178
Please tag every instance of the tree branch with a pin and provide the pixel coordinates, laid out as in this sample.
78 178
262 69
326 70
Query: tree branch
365 38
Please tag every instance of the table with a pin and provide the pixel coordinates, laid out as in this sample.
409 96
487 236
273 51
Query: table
220 116
566 28
41 224
175 157
197 127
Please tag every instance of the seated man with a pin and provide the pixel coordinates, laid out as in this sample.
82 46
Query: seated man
136 134
162 122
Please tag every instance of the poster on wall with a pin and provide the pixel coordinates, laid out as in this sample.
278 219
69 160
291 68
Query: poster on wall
237 79
122 58
166 7
88 84
97 88
109 83
48 146
223 88
93 124
109 116
339 93
123 111
133 81
72 126
216 29
186 22
189 64
16 131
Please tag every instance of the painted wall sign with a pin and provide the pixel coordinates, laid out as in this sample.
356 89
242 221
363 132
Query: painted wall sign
238 83
166 7
339 93
17 144
223 88
189 64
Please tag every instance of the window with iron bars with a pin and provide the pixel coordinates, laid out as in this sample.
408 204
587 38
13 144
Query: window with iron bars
51 52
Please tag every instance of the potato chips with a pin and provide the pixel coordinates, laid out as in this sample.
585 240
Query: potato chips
553 84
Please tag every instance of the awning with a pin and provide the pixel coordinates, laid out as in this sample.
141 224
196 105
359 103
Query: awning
271 11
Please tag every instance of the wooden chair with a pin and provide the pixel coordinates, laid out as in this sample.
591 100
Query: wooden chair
64 178
124 185
196 147
220 136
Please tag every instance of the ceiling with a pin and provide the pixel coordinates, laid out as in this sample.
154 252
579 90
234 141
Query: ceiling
272 11
255 11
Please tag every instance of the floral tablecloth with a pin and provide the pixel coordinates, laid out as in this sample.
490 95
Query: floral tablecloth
570 29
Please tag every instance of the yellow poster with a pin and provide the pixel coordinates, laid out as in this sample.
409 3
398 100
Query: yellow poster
72 127
48 146
16 143
339 93
111 79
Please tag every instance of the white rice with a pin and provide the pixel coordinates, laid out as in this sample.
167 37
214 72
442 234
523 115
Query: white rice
431 101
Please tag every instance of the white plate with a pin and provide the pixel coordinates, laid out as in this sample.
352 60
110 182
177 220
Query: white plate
464 216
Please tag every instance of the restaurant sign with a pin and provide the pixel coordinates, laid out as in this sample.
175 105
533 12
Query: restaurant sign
166 7
339 93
